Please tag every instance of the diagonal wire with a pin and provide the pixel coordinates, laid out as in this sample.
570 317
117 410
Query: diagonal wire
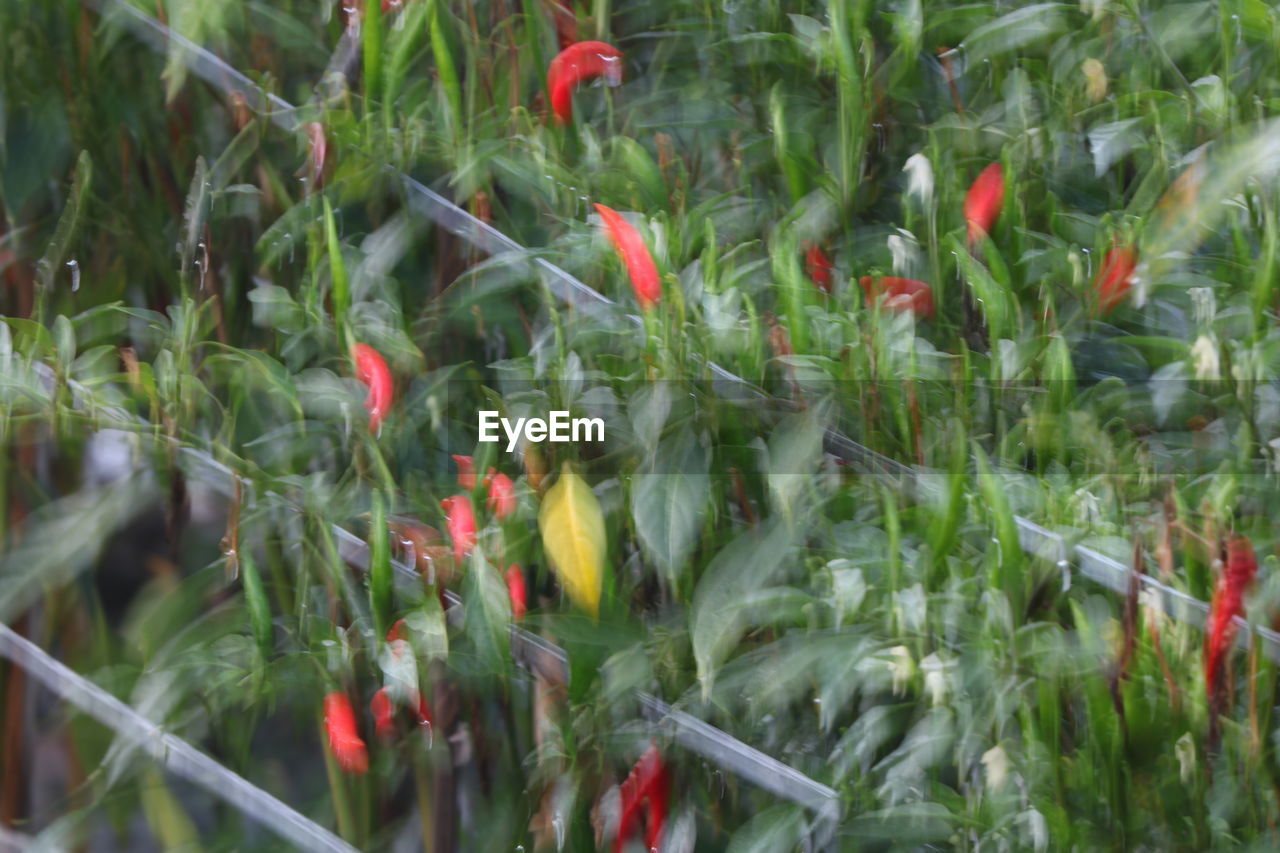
169 750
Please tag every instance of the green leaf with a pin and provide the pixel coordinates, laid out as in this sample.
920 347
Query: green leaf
428 631
916 823
1201 196
260 368
994 300
286 32
281 238
1014 31
669 502
380 590
234 156
337 269
446 70
371 32
255 597
731 585
193 217
1111 141
64 537
274 307
775 830
488 612
788 160
947 517
795 449
1009 558
403 42
48 266
64 336
194 21
867 738
633 161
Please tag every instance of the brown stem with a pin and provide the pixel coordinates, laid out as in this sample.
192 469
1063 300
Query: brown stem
1174 697
12 787
740 492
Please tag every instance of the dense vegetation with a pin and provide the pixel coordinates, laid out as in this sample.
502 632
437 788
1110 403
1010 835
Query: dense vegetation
1026 251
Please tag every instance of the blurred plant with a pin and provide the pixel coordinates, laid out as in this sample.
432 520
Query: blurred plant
190 287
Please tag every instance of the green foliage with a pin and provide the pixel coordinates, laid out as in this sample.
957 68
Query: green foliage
887 637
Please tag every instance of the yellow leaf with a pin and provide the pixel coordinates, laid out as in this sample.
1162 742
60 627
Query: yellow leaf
572 528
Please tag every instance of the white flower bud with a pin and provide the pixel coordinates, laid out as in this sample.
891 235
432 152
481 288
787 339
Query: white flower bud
936 682
1095 76
902 666
905 252
919 178
1204 305
1185 750
996 763
1204 355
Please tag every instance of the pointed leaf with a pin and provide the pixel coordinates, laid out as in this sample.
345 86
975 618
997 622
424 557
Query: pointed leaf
669 504
737 573
774 830
194 214
48 266
1015 30
573 536
488 611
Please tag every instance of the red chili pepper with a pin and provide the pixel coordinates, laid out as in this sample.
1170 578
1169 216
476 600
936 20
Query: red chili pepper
578 63
902 294
518 592
423 711
344 739
1114 277
818 266
398 632
398 647
658 795
635 254
502 494
466 472
373 371
462 525
1228 602
982 204
647 784
383 710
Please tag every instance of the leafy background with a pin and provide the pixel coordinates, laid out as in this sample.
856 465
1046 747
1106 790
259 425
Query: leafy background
182 276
